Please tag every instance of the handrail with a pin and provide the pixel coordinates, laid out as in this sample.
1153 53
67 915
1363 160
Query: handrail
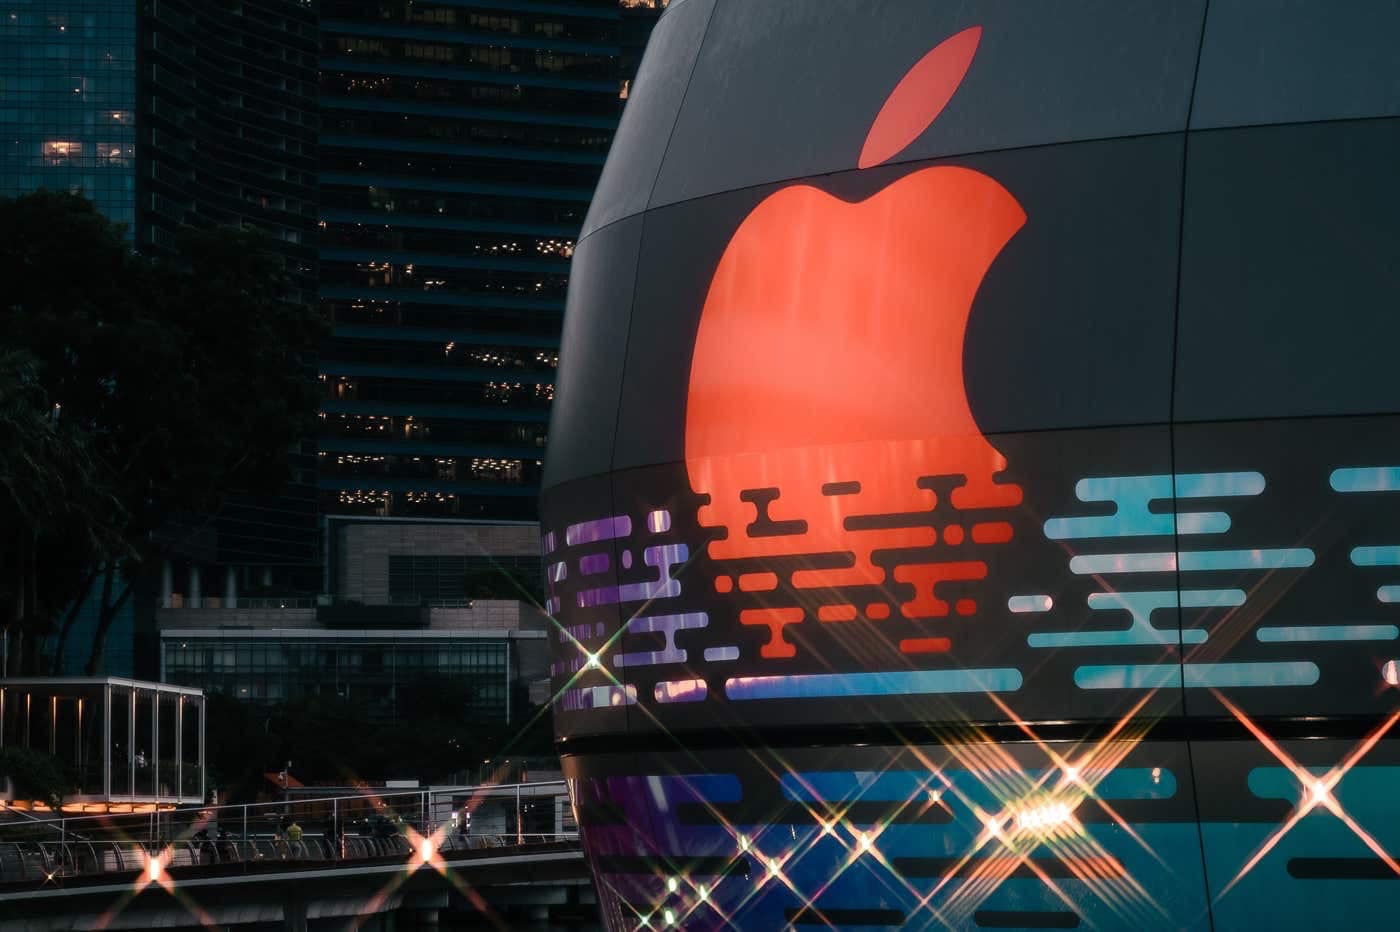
481 791
47 861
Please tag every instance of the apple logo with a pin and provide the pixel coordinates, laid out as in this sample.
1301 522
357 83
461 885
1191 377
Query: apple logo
827 377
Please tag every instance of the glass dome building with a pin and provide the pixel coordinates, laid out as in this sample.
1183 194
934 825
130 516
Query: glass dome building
973 494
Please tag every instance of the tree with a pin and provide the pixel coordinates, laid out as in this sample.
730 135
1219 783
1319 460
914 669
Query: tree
186 375
59 513
35 776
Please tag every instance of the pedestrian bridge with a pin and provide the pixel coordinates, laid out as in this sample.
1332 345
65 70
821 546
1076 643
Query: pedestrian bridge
357 860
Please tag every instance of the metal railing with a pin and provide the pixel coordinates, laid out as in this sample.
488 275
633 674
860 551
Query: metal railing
361 827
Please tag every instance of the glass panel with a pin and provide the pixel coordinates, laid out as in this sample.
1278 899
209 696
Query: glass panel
65 740
191 760
145 743
167 737
91 712
121 752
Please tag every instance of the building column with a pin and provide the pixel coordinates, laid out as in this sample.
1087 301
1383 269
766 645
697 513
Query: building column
193 601
231 588
167 583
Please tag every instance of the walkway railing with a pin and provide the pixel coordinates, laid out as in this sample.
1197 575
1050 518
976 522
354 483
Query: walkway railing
334 829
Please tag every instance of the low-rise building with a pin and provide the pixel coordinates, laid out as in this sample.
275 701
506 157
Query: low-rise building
407 605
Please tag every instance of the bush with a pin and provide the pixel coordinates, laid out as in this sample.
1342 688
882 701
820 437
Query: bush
34 776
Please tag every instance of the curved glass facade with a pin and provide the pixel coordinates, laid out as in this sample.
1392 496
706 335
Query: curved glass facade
1002 533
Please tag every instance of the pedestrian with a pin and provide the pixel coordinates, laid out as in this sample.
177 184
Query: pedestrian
294 837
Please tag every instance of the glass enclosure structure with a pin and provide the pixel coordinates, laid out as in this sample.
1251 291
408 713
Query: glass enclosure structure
378 670
121 741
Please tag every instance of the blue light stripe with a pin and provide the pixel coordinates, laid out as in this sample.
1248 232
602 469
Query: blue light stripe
1376 556
897 786
1285 558
1388 594
1366 479
892 683
1096 563
1282 634
1128 676
1218 484
1197 675
1223 675
1202 560
1021 604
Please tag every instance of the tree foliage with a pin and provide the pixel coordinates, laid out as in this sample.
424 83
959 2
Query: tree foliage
435 737
180 378
33 775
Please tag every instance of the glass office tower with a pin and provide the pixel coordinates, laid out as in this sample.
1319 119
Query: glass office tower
68 100
461 145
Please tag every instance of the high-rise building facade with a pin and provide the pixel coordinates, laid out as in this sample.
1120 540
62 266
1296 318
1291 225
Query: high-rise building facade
227 136
461 145
172 113
68 100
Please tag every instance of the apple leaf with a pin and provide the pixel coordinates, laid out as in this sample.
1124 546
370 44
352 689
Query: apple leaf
919 97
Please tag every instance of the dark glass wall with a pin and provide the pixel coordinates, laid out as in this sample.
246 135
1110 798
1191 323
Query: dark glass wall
372 673
68 101
460 148
228 137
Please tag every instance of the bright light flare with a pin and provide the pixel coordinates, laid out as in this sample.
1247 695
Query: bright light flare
1317 792
1045 818
153 870
427 850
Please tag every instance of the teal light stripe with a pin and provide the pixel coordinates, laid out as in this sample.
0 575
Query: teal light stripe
1285 634
1219 484
1021 604
1376 556
1224 675
1197 675
1097 563
1366 479
1197 561
893 683
1388 594
1286 558
1128 676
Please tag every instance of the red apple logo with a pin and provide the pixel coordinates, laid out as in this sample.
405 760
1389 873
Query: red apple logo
827 377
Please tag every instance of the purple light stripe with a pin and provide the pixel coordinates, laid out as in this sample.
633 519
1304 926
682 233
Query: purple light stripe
597 697
590 532
718 654
580 632
661 624
681 691
664 587
659 521
594 563
557 572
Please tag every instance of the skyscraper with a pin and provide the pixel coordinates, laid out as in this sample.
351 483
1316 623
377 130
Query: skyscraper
68 100
461 145
183 112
